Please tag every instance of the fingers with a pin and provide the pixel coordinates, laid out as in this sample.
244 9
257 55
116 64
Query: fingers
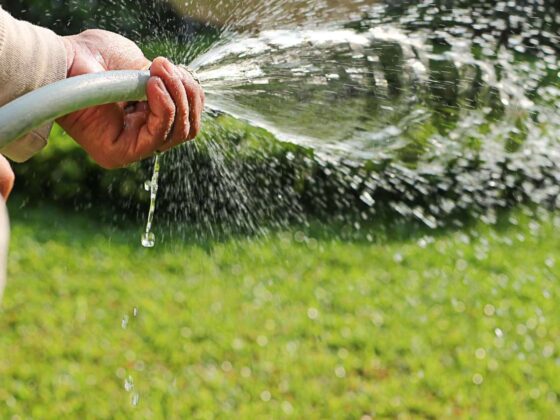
196 98
172 79
189 100
116 135
172 116
7 177
159 122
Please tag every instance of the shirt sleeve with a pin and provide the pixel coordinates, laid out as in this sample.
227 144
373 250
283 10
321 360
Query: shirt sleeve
30 57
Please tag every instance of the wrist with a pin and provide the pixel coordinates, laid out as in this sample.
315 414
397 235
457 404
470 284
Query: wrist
70 48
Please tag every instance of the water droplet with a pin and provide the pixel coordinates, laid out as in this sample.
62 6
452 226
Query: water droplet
313 313
134 399
367 198
238 343
227 366
287 407
477 379
480 353
458 305
461 264
489 310
548 350
128 384
124 322
300 237
266 396
292 347
340 372
148 240
343 353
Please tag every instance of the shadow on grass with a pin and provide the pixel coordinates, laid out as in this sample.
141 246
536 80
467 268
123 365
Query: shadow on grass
54 223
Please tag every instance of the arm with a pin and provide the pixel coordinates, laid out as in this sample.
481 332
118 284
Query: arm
115 134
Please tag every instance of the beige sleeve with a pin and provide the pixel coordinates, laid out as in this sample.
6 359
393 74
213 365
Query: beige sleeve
30 57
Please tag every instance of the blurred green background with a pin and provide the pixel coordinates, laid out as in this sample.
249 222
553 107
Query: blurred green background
412 324
395 320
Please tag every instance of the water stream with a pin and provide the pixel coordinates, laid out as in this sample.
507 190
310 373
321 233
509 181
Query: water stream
364 93
148 237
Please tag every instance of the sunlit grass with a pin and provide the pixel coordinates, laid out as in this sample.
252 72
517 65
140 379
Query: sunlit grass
461 324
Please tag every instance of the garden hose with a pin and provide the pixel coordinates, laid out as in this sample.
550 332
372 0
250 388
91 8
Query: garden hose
53 101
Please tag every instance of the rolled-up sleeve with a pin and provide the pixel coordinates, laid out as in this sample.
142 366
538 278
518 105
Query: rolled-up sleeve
30 57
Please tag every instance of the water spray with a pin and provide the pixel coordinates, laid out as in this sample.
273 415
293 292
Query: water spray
393 121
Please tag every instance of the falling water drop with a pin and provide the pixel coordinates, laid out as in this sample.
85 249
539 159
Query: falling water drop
148 240
135 399
129 384
148 237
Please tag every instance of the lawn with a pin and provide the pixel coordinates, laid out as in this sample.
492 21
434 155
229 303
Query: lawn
449 324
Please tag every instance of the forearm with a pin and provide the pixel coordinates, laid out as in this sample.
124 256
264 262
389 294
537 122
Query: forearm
30 57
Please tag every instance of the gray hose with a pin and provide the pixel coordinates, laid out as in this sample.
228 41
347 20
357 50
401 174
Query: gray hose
48 103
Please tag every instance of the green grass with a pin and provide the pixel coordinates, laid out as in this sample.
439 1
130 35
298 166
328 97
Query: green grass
460 324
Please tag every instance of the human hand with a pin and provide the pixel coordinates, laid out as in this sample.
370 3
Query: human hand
118 134
7 177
